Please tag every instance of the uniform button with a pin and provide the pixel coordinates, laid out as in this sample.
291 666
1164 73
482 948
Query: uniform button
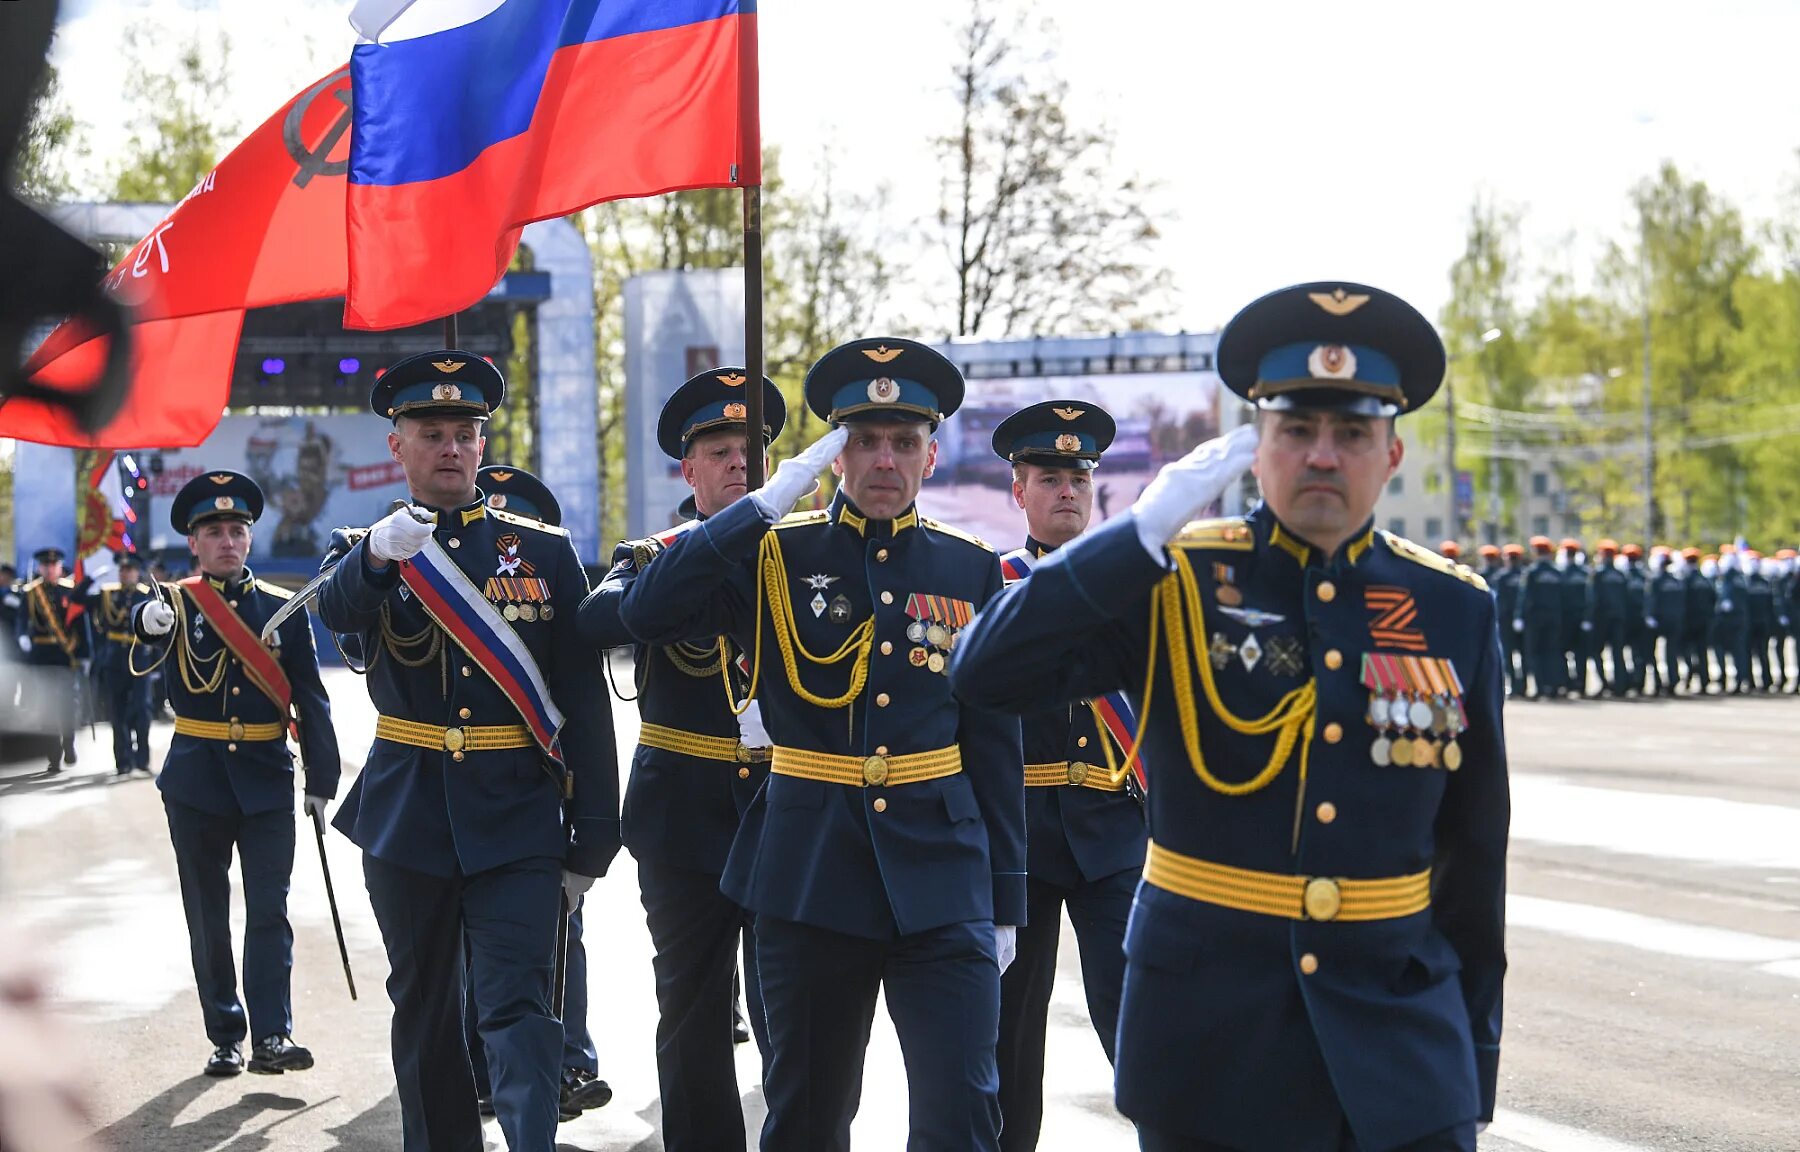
235 689
1334 732
456 756
1326 812
1081 742
464 713
465 670
455 543
887 647
234 719
887 597
1334 659
1327 591
743 773
881 750
231 747
881 554
880 804
233 603
1309 964
881 700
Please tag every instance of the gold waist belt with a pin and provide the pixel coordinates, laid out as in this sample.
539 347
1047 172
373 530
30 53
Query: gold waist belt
872 770
1287 896
1073 772
119 637
234 731
454 740
703 747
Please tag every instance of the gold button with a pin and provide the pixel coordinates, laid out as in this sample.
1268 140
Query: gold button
231 747
881 700
233 603
1334 659
1081 742
887 647
743 773
455 543
234 719
1327 591
1327 812
465 669
1334 732
881 750
464 713
887 597
881 554
880 804
456 756
235 689
1309 964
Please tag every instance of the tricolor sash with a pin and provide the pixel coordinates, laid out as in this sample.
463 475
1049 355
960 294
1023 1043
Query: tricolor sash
59 631
1113 710
260 664
454 604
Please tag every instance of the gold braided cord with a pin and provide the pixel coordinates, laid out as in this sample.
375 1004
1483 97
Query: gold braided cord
772 589
201 676
681 655
431 636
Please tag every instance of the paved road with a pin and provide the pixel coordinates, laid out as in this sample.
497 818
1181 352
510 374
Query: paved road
1653 1002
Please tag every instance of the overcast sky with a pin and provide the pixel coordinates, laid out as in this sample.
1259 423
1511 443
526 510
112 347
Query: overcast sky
1295 141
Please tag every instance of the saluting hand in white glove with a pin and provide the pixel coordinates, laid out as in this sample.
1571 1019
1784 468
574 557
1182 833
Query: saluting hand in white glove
795 477
399 535
1185 486
157 618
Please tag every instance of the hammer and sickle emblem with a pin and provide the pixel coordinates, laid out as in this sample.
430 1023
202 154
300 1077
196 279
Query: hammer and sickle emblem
316 161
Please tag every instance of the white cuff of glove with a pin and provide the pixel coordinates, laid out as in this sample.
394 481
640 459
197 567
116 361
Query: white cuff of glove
1185 486
399 535
575 885
158 618
1006 945
751 732
797 475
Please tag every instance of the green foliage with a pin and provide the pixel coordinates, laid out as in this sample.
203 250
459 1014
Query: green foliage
41 169
179 94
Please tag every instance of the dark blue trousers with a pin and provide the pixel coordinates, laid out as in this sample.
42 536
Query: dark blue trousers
1098 910
128 709
265 846
696 931
508 915
943 994
578 1043
1458 1139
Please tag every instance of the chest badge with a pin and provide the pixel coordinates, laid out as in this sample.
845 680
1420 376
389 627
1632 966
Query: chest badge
840 608
510 562
819 584
1250 652
1253 617
1285 656
1220 651
1225 589
1394 619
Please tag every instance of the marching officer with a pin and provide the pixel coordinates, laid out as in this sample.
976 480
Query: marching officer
693 775
1702 602
1574 572
1305 970
886 852
517 491
1759 596
110 607
1539 621
1603 621
1665 615
53 635
228 780
1507 584
492 717
1490 563
1084 832
1640 645
1731 622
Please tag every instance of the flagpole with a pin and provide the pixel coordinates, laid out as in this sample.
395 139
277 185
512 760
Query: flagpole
450 331
753 338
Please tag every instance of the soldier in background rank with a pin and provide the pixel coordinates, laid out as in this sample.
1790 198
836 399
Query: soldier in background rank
886 852
110 607
1640 644
1490 563
1731 622
228 780
1316 955
1573 571
1603 622
1539 621
1507 584
693 775
492 717
53 635
1084 832
1702 601
1665 615
1759 595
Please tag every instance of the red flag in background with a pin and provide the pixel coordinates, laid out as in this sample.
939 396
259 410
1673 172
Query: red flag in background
265 227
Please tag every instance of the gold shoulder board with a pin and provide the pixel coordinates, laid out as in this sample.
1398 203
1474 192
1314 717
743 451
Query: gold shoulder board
939 526
1418 554
275 590
525 522
1227 534
797 519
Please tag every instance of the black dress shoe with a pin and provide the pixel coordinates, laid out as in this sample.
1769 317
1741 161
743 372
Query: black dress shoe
582 1090
740 1031
276 1054
227 1060
69 754
484 1104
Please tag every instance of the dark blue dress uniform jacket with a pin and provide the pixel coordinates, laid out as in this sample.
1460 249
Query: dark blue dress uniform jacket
1223 1035
58 594
110 610
680 811
940 851
1076 834
251 776
422 809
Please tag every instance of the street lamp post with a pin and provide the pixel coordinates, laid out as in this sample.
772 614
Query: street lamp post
1455 521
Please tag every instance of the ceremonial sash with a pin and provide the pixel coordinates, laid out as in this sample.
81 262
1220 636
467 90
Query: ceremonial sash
454 604
260 664
1113 710
58 630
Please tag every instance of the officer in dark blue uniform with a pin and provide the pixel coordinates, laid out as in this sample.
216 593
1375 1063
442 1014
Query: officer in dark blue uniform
1539 621
692 778
110 607
1507 584
1640 643
1574 574
514 490
228 780
492 717
1696 640
1731 623
1759 596
1603 621
1316 955
1084 831
56 647
886 852
1665 615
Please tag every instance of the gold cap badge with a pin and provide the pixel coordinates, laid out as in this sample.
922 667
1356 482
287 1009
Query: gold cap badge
448 366
503 477
1068 442
1332 362
497 500
735 411
881 353
731 379
223 503
223 479
446 392
1339 302
1069 413
883 390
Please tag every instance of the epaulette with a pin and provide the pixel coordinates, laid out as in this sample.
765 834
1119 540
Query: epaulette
518 521
940 526
1226 534
796 519
115 586
34 582
1401 546
275 590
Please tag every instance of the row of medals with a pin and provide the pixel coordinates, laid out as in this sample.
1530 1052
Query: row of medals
940 638
1427 718
527 611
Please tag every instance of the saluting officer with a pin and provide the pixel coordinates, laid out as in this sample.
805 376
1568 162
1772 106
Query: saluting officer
492 716
1084 833
1539 621
692 778
127 697
55 642
228 780
886 852
1315 959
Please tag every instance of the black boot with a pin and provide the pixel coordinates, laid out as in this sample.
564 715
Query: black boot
227 1060
582 1090
276 1054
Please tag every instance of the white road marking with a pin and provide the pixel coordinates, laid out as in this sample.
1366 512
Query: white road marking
1773 954
1663 825
1547 1136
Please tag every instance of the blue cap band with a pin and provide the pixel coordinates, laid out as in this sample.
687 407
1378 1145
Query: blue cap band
1349 367
439 394
1048 441
878 393
718 412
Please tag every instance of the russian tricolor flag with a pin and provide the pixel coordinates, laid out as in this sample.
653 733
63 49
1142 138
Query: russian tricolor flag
473 118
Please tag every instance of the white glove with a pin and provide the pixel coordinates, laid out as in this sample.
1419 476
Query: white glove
1518 624
1587 625
313 806
10 600
158 618
575 884
1006 945
751 732
1724 605
1650 623
1187 485
796 476
25 645
400 534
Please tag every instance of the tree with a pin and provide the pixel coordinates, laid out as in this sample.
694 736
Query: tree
41 169
1042 234
181 129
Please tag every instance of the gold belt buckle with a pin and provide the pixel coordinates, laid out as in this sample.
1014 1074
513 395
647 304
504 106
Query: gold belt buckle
235 730
742 753
1322 899
1077 772
455 739
875 770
